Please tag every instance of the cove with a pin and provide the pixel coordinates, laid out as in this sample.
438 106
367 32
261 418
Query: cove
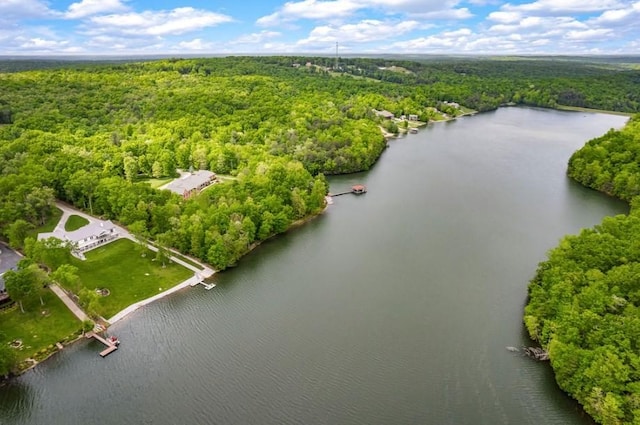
392 307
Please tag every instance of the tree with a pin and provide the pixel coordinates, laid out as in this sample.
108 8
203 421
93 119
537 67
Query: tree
90 301
39 203
25 281
67 276
8 357
17 232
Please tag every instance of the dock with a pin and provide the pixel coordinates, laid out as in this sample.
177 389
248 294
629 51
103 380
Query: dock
111 347
357 189
198 280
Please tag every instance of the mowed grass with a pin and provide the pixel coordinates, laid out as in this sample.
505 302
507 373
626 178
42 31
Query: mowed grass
74 222
127 275
156 183
38 331
49 225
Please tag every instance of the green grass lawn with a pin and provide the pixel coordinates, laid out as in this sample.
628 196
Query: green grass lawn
127 275
156 183
74 222
38 331
49 225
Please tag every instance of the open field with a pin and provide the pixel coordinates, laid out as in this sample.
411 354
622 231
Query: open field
39 327
127 275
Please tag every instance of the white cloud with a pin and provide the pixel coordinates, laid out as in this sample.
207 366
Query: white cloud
24 9
630 14
445 41
92 7
588 35
504 17
564 6
364 31
42 44
310 9
532 24
332 9
156 23
195 44
448 14
256 37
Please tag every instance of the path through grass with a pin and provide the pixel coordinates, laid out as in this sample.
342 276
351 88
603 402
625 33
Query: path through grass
127 275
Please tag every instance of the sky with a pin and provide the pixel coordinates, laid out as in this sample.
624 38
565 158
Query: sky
201 27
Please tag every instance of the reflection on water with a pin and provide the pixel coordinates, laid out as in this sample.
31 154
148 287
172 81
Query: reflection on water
393 307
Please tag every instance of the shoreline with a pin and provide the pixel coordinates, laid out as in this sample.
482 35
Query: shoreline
121 315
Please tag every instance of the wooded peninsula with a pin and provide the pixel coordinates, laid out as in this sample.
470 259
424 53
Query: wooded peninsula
105 136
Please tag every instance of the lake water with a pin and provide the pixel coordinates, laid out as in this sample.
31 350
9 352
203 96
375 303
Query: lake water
394 307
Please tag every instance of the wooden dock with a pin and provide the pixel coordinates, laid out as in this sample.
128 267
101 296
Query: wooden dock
110 346
357 189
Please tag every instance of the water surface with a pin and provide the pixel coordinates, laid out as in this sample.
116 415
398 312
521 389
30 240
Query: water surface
394 307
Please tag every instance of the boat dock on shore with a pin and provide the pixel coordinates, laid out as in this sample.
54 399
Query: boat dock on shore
111 343
357 189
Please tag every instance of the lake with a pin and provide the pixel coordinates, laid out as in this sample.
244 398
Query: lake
393 307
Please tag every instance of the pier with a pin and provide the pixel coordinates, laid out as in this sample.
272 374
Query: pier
111 345
199 280
357 189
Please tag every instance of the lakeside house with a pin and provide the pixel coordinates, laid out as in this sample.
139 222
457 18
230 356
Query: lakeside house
413 117
88 237
384 114
191 183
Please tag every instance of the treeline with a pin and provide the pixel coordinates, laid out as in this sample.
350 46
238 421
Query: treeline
484 84
584 302
610 163
92 135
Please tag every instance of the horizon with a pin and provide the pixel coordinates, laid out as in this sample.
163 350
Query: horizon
313 27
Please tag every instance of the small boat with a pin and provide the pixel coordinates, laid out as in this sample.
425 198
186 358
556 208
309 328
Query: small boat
413 130
113 340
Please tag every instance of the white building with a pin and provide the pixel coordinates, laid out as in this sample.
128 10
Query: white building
90 236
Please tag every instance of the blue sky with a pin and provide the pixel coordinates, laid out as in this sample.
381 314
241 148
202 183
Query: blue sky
117 27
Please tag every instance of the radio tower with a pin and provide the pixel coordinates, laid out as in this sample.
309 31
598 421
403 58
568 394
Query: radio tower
336 65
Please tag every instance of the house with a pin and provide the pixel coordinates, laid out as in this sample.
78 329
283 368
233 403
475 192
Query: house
413 117
88 237
384 114
191 183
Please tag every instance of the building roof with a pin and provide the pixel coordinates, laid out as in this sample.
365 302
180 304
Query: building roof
384 114
94 228
190 181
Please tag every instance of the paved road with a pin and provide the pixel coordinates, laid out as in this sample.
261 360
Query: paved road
68 210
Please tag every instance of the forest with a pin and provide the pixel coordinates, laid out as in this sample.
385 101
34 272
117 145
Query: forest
94 135
98 134
584 302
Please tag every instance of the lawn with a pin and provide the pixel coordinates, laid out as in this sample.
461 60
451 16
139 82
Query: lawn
127 275
39 327
49 225
74 222
156 183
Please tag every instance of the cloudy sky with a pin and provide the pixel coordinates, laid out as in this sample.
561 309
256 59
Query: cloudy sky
116 27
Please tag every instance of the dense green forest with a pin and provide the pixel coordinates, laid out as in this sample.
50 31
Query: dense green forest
584 302
94 134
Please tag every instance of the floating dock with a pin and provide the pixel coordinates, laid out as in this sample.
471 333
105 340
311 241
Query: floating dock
111 347
357 189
